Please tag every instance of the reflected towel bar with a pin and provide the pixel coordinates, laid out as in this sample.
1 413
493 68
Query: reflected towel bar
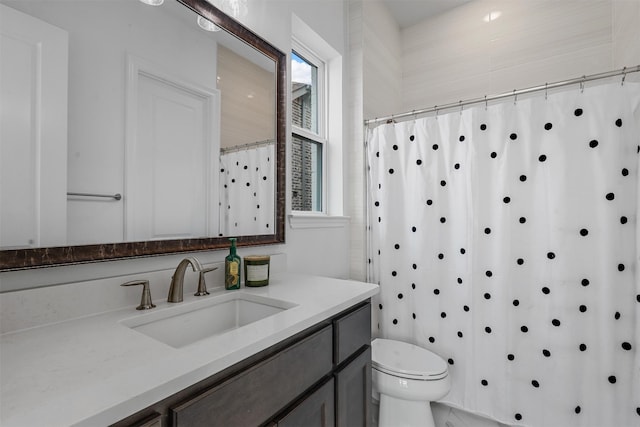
116 196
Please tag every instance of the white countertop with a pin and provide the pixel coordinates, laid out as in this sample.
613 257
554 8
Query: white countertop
94 370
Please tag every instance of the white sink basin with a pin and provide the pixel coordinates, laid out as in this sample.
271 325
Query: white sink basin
187 323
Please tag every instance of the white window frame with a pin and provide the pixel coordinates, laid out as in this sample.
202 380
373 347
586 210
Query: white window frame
333 166
322 125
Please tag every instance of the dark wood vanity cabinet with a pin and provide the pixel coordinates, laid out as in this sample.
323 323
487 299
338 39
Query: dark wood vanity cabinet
316 409
353 391
320 377
352 358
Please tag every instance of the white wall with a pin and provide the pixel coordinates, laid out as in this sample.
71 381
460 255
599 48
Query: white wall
308 249
356 190
375 80
382 64
457 55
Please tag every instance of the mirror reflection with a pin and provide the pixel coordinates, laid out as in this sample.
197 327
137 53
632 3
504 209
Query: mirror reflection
146 123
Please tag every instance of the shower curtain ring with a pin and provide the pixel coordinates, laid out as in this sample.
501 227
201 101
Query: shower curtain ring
486 104
461 107
436 108
515 97
546 93
624 75
582 84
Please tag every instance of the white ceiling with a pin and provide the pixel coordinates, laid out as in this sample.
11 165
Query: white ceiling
409 12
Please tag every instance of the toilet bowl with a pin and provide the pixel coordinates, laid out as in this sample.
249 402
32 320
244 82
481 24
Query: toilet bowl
407 379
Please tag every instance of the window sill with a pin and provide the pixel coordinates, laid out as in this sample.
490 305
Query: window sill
312 220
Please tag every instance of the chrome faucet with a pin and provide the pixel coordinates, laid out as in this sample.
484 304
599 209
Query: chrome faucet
177 280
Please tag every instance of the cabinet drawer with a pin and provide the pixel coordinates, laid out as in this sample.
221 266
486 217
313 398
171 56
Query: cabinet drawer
153 420
351 332
255 395
316 410
353 391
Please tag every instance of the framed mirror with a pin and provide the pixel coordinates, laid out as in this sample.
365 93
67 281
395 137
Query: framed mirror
132 130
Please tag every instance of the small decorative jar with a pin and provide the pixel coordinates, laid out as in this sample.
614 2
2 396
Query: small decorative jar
256 270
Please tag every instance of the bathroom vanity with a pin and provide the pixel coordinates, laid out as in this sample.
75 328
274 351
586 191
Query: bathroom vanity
313 378
308 361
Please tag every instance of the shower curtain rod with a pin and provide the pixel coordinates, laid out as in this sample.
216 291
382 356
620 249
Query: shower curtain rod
246 146
579 80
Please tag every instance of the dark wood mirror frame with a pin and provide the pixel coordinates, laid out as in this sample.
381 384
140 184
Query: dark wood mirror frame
20 259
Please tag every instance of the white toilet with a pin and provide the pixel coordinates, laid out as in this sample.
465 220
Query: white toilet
408 378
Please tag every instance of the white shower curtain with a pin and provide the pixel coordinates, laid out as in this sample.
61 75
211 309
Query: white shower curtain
247 191
504 239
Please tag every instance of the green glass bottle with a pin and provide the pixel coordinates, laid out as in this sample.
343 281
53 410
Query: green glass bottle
232 268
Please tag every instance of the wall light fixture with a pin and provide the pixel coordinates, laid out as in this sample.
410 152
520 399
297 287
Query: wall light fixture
207 25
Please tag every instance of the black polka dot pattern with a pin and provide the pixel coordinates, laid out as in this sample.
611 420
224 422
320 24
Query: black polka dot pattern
247 184
509 233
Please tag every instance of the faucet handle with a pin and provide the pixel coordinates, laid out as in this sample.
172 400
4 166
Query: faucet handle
145 300
202 286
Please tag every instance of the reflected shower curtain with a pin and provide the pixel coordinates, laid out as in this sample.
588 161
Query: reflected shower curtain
247 191
504 238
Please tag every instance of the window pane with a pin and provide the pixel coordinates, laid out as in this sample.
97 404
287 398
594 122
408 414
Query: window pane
306 170
304 96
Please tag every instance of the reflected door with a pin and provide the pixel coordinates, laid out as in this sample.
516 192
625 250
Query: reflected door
170 161
33 131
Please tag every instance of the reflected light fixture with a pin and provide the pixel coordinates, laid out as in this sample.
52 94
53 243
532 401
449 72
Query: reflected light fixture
153 2
207 25
492 16
235 8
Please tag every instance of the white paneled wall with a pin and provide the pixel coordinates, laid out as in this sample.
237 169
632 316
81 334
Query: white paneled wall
382 72
375 84
626 33
458 55
354 186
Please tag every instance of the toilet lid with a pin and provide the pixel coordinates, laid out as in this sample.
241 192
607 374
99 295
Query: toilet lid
406 360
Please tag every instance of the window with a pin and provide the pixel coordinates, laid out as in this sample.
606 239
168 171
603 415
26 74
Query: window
316 151
309 130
